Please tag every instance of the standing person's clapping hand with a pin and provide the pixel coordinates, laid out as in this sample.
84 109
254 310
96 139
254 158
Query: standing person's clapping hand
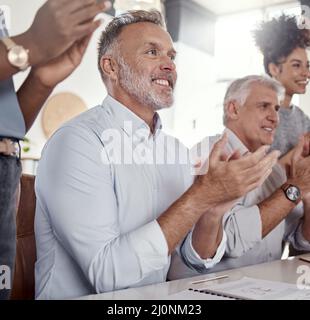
55 44
60 23
57 26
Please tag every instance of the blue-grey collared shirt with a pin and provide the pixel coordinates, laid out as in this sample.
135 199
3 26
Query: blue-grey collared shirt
12 123
99 192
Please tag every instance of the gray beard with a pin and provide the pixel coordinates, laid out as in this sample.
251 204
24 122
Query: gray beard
136 85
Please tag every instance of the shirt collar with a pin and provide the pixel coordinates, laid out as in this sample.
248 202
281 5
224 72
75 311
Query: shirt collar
128 121
235 143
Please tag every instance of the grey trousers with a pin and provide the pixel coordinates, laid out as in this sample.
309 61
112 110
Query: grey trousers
10 171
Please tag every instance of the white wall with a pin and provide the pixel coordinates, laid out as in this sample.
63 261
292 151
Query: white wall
197 110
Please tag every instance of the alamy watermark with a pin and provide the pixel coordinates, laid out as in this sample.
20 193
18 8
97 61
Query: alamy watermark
303 281
140 147
5 278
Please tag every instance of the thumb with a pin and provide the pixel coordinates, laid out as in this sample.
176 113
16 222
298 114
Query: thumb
235 155
217 150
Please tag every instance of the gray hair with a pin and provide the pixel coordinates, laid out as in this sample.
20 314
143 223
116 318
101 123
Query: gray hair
238 90
108 43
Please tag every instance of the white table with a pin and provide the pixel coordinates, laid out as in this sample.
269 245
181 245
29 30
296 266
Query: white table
280 270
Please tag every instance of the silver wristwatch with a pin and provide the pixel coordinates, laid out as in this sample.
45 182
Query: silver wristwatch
18 56
291 192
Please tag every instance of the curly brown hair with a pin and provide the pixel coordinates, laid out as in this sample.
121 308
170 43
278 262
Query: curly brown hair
278 38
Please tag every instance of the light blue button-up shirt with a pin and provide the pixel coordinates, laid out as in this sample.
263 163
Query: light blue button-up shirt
96 227
12 124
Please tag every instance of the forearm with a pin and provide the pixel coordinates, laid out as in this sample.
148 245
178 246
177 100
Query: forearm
183 214
207 235
31 97
24 39
273 210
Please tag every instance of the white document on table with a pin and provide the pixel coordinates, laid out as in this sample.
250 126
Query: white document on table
190 294
244 289
257 289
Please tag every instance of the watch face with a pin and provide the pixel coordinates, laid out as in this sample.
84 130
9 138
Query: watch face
18 57
293 193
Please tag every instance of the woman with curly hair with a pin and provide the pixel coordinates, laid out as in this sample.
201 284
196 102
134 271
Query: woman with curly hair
283 46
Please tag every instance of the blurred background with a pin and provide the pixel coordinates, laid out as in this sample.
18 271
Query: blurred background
215 45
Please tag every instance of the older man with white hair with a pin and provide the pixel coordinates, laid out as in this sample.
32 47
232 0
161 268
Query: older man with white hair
258 222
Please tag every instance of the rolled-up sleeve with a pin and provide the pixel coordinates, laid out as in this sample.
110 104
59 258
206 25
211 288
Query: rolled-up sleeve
76 186
192 259
300 242
293 229
243 224
243 227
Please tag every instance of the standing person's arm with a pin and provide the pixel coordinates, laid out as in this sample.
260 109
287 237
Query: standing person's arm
58 24
42 80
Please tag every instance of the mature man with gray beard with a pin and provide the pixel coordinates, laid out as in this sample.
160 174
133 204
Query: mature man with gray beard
115 195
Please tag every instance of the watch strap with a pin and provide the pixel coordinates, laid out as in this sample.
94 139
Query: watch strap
9 43
284 188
